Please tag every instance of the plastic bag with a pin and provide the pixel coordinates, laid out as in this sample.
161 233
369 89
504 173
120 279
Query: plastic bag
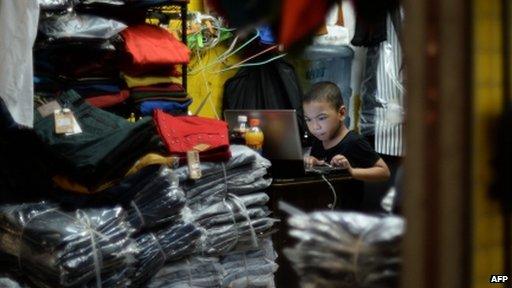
346 249
58 248
72 25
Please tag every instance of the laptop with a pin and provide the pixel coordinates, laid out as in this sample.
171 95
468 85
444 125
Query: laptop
281 144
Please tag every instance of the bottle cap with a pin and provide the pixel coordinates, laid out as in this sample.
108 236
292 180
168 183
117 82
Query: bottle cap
254 122
242 118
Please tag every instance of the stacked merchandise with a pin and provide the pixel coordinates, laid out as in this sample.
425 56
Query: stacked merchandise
59 248
150 54
346 249
76 51
228 202
110 59
181 134
254 268
59 245
110 221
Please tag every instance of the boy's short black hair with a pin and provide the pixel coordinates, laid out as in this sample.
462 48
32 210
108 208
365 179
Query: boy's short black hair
325 91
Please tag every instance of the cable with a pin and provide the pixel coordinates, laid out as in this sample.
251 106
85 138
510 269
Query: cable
335 197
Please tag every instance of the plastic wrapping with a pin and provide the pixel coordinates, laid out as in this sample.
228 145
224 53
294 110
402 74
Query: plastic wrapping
157 202
58 248
253 268
346 249
72 25
240 156
232 221
165 245
191 272
244 173
56 4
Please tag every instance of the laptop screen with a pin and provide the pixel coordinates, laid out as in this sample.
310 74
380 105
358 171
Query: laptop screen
280 130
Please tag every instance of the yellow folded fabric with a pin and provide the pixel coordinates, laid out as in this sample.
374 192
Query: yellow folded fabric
151 80
69 185
150 159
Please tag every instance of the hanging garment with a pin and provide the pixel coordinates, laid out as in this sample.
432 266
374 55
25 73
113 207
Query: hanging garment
149 45
18 29
390 114
271 86
371 21
300 19
184 133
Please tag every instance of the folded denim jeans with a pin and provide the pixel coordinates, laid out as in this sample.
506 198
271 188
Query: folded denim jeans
105 149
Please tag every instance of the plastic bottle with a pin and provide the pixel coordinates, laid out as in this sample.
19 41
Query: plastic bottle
237 136
254 136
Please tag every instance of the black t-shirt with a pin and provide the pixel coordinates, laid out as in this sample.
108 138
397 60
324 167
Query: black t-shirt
360 154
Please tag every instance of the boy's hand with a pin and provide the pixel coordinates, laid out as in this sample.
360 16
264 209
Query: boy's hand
312 161
341 161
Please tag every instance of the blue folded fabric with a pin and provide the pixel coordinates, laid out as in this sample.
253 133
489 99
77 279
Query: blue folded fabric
147 107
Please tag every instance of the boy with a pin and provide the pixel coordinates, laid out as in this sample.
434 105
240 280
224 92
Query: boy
335 144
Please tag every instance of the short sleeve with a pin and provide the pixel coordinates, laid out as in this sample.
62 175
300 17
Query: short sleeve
361 154
317 150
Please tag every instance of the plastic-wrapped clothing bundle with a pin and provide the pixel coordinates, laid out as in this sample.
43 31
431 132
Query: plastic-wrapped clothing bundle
58 248
148 196
191 272
159 201
72 25
253 268
346 249
6 282
56 4
154 249
234 220
240 156
242 174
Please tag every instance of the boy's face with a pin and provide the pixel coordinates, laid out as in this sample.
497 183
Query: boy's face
322 119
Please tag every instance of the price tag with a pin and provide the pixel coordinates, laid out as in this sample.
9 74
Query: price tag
64 121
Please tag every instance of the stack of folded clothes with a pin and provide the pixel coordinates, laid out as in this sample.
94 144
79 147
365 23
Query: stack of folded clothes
243 174
243 269
76 51
191 272
104 150
58 248
181 134
151 54
250 269
346 249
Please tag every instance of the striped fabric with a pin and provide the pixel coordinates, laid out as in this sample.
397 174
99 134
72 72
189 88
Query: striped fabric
389 137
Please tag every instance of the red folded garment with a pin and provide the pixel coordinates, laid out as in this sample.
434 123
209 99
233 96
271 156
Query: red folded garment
104 101
184 133
172 87
152 45
142 70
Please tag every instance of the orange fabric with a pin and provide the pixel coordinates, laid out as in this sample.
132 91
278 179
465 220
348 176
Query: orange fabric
152 45
300 18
